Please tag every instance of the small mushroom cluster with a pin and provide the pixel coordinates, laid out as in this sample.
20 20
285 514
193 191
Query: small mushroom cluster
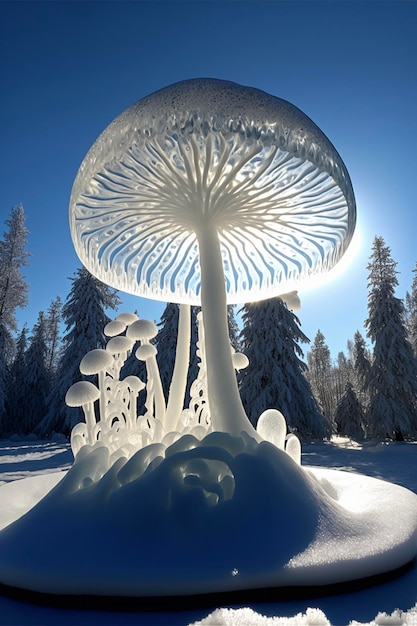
117 399
117 425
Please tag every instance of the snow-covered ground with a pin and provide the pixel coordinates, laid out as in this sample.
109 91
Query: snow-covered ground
395 462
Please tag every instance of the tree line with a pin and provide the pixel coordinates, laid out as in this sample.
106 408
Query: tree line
371 391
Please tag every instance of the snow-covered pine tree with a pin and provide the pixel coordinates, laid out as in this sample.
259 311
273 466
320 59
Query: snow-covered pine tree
349 416
53 337
361 367
6 342
320 375
13 287
166 343
13 294
411 312
234 330
13 423
35 384
392 380
341 375
274 378
85 317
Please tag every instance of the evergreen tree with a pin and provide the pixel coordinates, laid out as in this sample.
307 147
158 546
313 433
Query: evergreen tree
166 344
361 368
36 381
13 294
349 416
341 375
52 336
411 313
6 342
234 331
274 378
84 314
320 375
392 380
16 382
13 287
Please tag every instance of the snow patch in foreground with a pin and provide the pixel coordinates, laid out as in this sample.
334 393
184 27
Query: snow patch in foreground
312 617
252 515
248 617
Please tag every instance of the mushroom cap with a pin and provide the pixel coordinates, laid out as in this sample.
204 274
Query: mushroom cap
135 383
145 352
118 345
81 393
126 318
95 361
113 328
206 150
142 329
240 360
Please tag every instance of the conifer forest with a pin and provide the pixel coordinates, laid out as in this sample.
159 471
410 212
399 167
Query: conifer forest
367 392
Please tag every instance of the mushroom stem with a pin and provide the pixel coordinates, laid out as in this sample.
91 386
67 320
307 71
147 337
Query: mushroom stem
90 421
155 380
226 409
179 376
102 401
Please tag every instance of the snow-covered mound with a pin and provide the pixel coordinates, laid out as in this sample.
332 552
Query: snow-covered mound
245 509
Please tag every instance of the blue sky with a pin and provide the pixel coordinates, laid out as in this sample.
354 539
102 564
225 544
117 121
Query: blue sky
67 69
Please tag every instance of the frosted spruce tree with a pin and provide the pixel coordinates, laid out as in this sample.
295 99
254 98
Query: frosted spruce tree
85 317
411 312
13 293
392 380
341 374
13 256
274 378
166 344
234 331
320 375
35 385
13 422
32 373
361 358
349 415
5 344
53 321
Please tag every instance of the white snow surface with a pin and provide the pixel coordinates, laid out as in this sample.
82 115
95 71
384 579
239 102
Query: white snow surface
393 602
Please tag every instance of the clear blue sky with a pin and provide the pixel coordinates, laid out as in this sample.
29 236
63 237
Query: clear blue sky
68 68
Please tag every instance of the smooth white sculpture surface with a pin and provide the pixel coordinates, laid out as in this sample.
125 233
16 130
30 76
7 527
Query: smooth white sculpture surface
211 193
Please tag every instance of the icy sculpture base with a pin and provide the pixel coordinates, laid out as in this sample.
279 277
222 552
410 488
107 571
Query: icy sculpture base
217 515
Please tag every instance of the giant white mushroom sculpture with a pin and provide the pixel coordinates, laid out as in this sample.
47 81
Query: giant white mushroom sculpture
204 190
209 192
